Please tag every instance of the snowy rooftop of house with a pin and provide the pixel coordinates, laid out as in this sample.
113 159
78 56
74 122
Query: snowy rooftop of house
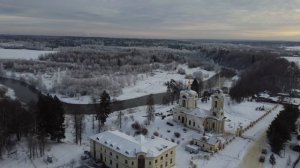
130 146
210 139
188 92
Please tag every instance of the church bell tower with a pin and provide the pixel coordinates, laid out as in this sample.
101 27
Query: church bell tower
217 105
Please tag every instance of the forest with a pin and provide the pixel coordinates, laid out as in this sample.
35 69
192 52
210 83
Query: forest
37 123
271 74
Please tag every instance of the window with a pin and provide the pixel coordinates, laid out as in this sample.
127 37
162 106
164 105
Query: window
166 155
194 123
161 166
155 160
105 159
189 122
126 161
166 164
110 162
216 104
149 162
117 156
161 158
132 163
110 153
117 166
178 117
171 161
171 152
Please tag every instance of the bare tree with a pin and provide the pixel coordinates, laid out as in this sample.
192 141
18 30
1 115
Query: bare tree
32 143
150 109
78 126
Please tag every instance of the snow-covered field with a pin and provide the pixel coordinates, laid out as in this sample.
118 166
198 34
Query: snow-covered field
21 54
155 83
294 59
293 48
149 84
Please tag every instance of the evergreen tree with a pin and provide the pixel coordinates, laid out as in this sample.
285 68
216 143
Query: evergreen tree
50 118
58 132
104 109
195 86
41 122
272 160
281 128
150 109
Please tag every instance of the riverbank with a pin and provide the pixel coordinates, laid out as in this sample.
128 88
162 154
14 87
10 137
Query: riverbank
27 93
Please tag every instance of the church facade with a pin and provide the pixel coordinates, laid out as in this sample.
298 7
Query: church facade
193 117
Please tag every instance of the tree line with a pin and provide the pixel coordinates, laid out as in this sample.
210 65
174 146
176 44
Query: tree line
280 129
272 74
37 123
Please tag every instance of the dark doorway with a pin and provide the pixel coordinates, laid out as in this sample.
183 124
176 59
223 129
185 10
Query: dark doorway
182 119
141 161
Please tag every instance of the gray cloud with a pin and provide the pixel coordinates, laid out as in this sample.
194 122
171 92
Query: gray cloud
230 19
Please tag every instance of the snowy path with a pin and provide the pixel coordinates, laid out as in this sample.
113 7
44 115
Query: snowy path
251 158
258 133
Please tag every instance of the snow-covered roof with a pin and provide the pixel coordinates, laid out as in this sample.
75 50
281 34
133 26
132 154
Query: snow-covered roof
188 93
210 139
197 112
201 113
130 146
193 147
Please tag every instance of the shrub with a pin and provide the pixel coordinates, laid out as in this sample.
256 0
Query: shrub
138 132
262 159
181 71
170 124
177 134
136 125
144 131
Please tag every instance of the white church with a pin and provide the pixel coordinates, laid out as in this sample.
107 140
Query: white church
193 117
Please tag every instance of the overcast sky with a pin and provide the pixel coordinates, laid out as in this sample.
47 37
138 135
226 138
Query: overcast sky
197 19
